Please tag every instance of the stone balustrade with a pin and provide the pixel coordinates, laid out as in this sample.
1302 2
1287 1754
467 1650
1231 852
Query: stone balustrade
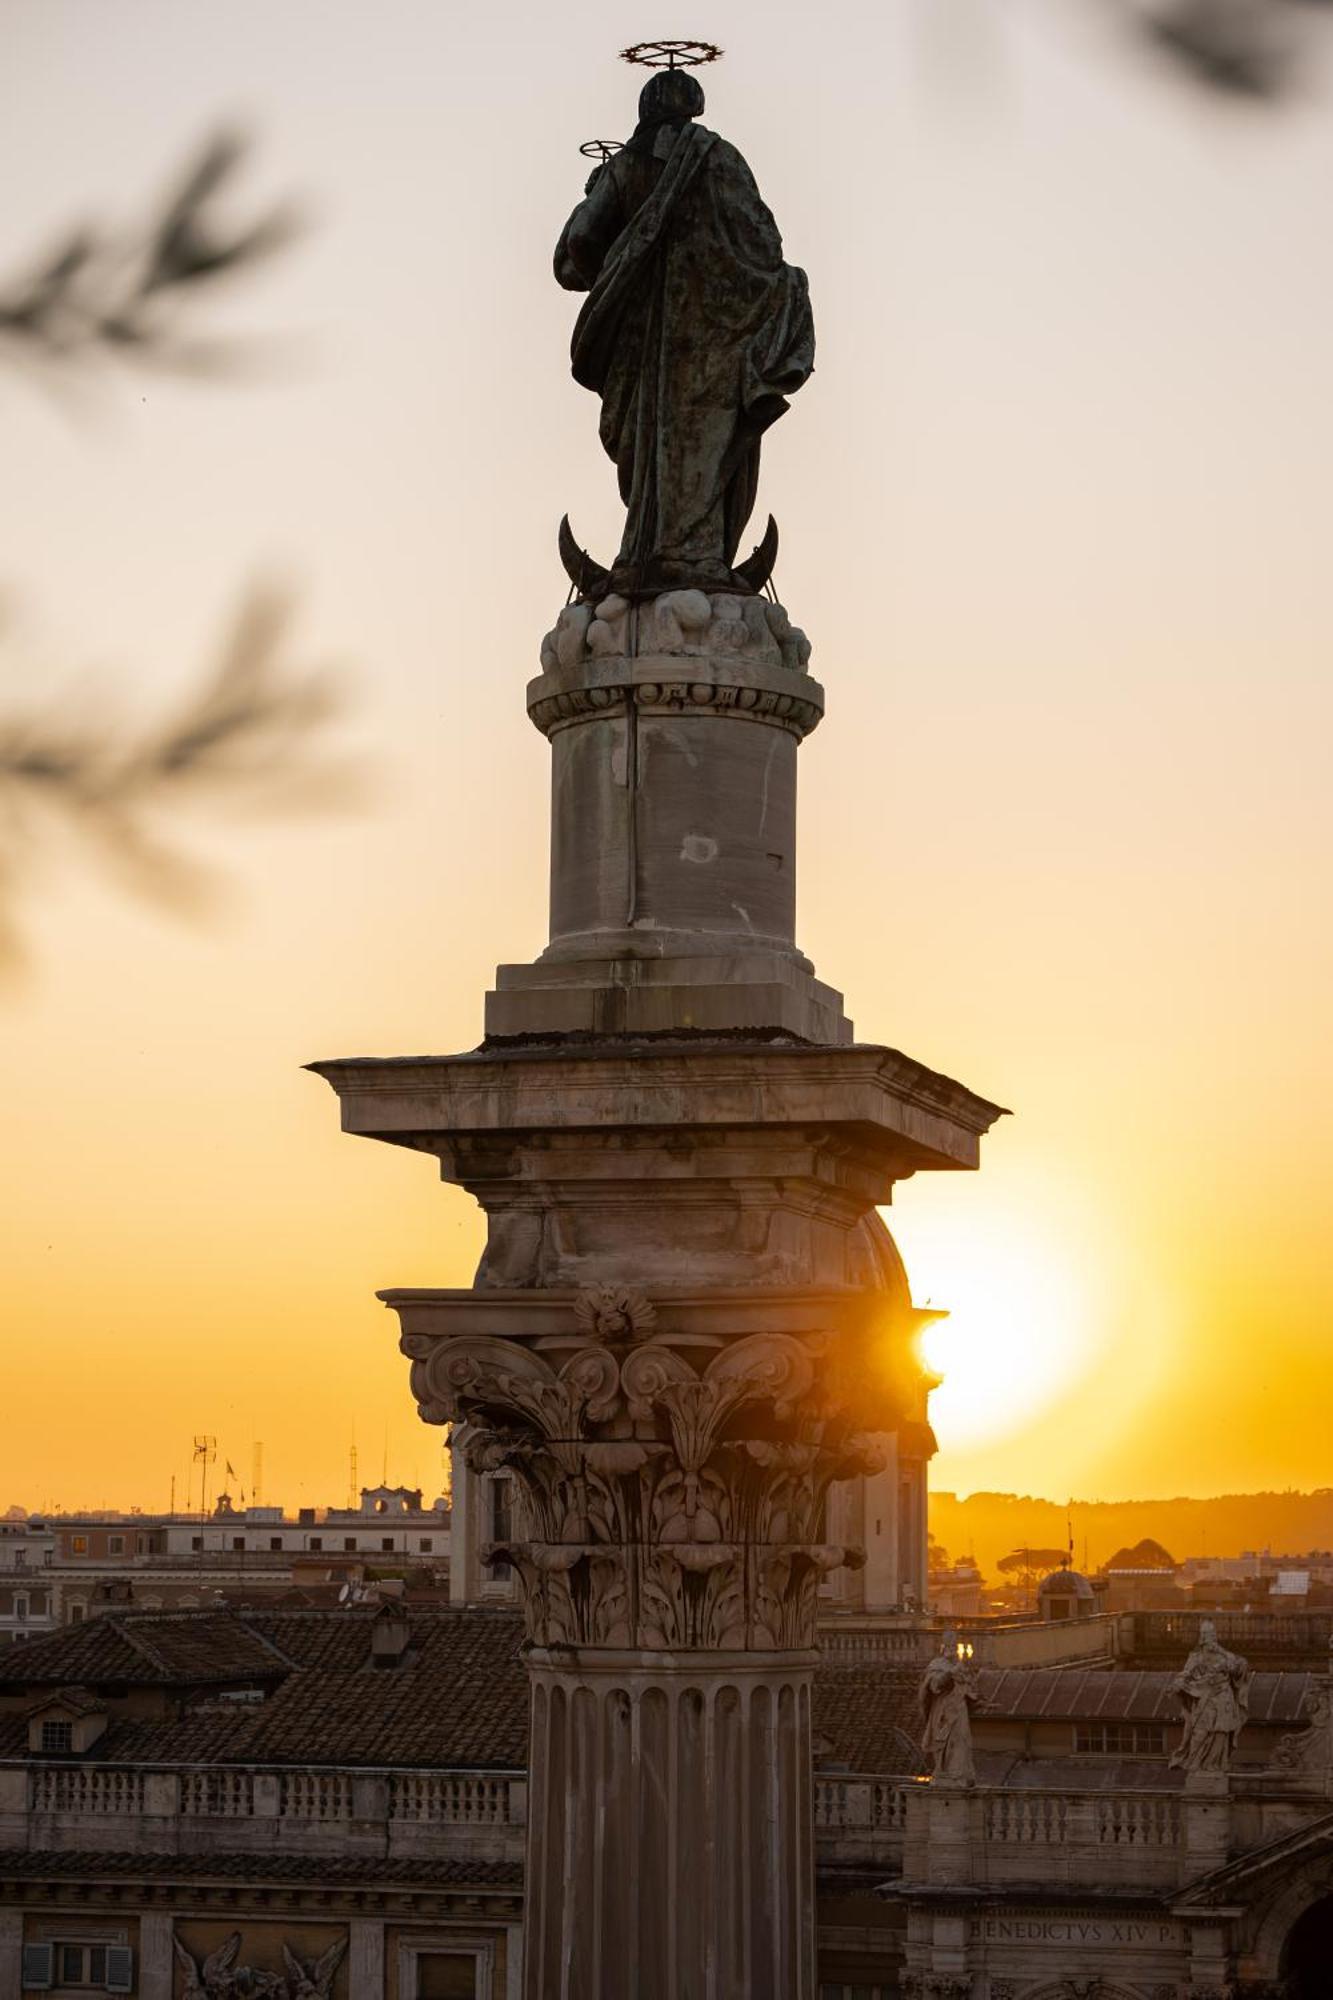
188 1809
179 1810
1024 1643
1134 1840
1276 1638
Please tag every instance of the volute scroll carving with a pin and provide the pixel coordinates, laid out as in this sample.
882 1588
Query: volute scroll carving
671 1495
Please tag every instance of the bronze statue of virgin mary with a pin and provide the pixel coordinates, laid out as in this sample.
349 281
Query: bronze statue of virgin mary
694 333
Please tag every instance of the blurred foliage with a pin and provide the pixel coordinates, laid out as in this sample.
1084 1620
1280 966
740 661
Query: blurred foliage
244 737
242 741
1256 49
128 292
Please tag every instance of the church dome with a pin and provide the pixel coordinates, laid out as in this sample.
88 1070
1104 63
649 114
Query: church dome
1065 1583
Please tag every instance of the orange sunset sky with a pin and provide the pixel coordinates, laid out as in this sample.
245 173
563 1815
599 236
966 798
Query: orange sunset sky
1055 514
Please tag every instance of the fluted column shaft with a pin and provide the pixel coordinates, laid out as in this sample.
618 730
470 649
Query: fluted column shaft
669 1833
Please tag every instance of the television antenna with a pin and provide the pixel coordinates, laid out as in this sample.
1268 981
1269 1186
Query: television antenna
205 1452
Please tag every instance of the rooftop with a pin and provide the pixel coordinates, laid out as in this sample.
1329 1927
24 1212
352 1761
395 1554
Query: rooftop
458 1698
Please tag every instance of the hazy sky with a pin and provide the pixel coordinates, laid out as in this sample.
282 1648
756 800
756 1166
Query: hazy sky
1055 514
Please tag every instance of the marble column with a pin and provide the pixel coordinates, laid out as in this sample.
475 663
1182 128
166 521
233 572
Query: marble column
689 1321
677 1788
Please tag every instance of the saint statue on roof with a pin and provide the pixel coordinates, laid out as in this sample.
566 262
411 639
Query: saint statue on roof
694 334
947 1696
1213 1688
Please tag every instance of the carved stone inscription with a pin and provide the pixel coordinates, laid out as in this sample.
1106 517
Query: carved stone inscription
672 1489
1073 1930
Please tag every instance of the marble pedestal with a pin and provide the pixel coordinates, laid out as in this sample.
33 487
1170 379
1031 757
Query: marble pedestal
674 729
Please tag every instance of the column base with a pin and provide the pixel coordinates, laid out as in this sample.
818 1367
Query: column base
743 992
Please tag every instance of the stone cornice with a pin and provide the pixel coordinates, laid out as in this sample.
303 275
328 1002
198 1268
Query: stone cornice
888 1101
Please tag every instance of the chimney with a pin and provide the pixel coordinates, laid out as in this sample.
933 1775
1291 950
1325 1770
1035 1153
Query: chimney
390 1637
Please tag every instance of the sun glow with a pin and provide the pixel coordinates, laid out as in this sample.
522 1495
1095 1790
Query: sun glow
1020 1330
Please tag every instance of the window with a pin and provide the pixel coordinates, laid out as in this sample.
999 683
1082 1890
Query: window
238 1543
115 1545
107 1968
446 1975
1120 1739
349 1542
317 1541
21 1610
499 1518
386 1544
502 1526
76 1613
425 1545
57 1736
275 1543
446 1965
20 1558
78 1545
197 1543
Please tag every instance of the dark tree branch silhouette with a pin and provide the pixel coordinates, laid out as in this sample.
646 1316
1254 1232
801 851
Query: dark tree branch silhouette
241 742
244 737
1255 49
125 293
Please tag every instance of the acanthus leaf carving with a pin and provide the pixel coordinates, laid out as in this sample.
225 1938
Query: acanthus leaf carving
666 1498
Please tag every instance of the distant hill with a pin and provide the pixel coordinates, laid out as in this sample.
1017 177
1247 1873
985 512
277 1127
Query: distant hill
990 1525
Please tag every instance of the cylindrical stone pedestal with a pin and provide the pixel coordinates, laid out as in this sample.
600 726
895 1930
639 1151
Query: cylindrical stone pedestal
670 1826
674 728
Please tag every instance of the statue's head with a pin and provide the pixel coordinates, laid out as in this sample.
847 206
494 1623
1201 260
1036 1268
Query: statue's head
668 95
1207 1633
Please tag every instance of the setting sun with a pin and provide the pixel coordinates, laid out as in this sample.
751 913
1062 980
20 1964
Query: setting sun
1020 1330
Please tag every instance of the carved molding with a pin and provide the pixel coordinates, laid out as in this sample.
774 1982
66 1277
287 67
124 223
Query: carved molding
796 712
686 651
671 1493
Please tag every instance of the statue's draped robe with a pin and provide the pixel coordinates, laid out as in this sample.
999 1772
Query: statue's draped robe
693 333
946 1698
1212 1689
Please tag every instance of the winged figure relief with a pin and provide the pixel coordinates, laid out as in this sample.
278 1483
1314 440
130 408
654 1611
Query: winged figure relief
219 1977
313 1981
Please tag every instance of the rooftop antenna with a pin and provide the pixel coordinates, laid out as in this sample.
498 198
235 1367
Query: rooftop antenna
257 1474
353 1494
205 1451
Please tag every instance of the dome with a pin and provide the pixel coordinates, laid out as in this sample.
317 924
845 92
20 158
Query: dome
1064 1583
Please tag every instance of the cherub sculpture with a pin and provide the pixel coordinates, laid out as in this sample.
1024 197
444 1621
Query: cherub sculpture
219 1977
313 1981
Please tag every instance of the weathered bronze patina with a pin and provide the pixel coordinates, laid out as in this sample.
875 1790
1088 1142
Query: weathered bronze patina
694 333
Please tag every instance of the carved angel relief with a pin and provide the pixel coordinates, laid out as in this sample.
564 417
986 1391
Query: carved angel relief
670 1498
217 1976
609 1312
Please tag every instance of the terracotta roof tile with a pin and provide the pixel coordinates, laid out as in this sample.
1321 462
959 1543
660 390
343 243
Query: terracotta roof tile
1063 1694
96 1865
